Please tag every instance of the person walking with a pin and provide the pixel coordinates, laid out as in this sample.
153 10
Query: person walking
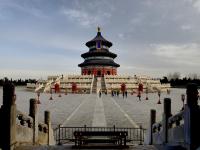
112 93
99 93
126 94
139 96
117 93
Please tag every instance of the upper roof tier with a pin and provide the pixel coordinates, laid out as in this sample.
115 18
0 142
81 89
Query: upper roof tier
98 53
100 38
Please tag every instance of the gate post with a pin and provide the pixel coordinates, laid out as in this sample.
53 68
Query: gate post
33 112
85 128
152 121
141 137
191 121
166 115
8 117
59 143
47 120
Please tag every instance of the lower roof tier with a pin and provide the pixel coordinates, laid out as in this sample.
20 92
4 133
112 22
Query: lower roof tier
101 62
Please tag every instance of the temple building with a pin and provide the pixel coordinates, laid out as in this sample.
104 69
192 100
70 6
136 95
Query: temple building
99 61
99 73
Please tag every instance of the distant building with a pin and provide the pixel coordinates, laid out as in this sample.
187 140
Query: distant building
99 61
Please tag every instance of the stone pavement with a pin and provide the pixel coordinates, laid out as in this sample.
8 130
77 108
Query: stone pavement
99 119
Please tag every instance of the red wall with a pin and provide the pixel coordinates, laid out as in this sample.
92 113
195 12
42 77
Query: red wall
104 71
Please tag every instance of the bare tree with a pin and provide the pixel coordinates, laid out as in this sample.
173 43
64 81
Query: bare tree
193 76
175 75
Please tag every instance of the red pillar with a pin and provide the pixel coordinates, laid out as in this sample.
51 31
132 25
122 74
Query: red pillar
92 71
95 71
103 71
114 71
83 71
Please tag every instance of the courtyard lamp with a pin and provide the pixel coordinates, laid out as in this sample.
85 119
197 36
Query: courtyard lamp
183 99
66 91
168 91
159 102
59 95
147 94
58 89
51 97
38 99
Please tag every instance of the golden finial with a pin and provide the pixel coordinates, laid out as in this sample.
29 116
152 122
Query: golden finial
98 29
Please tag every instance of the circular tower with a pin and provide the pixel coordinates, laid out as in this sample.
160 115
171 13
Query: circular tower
99 61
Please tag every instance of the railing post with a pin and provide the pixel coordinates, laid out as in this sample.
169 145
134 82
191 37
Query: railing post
166 115
114 128
47 120
125 139
33 112
191 122
152 121
85 127
141 139
59 141
8 117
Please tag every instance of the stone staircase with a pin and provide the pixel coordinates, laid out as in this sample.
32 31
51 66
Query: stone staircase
98 84
94 86
103 84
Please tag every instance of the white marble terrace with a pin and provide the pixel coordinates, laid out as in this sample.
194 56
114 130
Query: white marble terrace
88 83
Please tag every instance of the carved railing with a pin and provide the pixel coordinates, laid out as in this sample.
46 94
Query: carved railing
43 127
175 120
157 127
18 128
24 119
27 121
181 129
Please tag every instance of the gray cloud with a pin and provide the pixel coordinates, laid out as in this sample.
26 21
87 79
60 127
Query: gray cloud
150 36
87 13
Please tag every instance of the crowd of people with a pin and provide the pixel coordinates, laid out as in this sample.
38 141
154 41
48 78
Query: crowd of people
115 93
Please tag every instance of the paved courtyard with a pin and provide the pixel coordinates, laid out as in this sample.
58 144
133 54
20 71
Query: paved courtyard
92 110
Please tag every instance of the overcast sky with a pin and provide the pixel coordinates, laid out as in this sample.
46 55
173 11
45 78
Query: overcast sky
46 37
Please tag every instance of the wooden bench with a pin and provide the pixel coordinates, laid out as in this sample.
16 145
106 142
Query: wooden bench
115 137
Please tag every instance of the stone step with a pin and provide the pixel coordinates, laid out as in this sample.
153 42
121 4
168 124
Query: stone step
170 147
68 147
